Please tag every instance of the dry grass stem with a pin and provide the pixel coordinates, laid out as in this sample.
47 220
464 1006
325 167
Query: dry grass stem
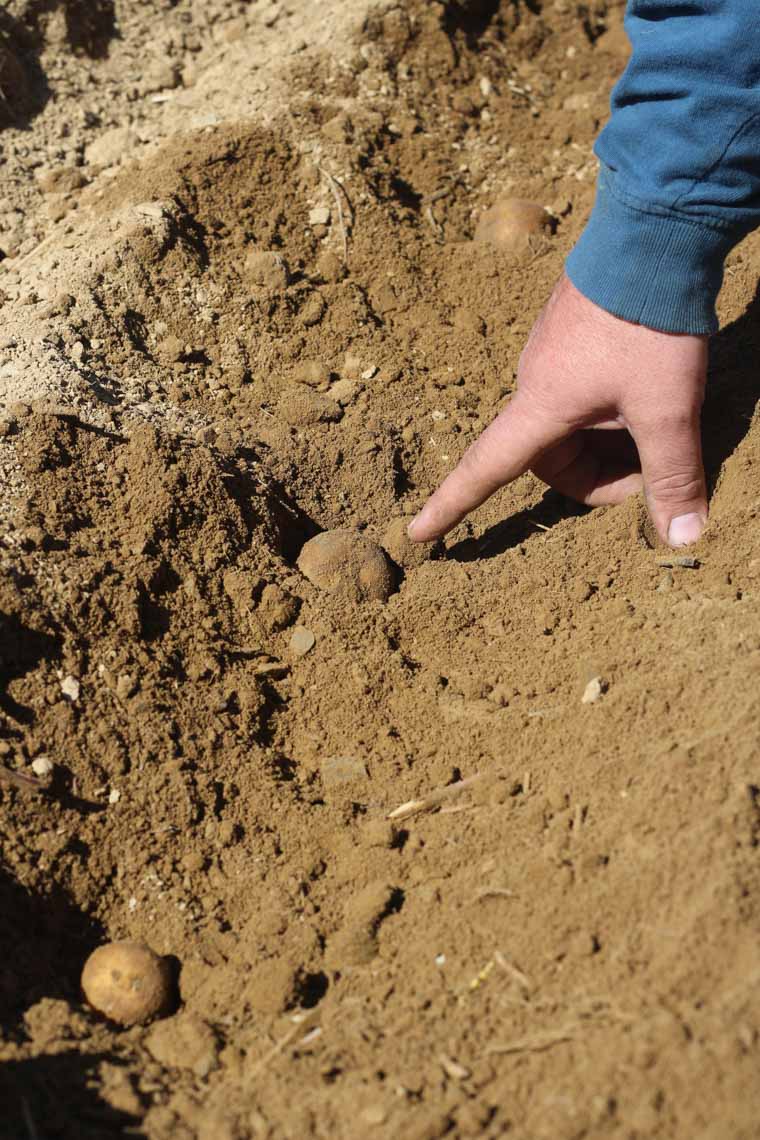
433 799
536 1044
338 194
513 971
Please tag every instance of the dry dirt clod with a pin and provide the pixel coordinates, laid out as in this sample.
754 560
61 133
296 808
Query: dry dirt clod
345 562
402 550
345 391
512 223
339 770
314 373
277 608
128 983
268 269
303 408
184 1042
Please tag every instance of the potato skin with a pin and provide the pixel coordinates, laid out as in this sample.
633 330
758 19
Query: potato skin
344 562
127 982
511 222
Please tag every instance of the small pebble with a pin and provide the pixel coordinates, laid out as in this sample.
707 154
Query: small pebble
301 641
374 1114
344 391
315 373
319 216
42 766
70 688
154 210
593 691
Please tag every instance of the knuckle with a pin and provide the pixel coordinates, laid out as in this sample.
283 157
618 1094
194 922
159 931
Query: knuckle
676 486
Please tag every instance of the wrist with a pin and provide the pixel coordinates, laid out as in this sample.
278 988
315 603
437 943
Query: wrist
650 266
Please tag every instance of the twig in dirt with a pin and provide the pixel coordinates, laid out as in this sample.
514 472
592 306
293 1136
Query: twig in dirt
279 1046
452 1068
682 561
28 783
536 1044
338 193
435 224
433 799
456 809
513 971
494 893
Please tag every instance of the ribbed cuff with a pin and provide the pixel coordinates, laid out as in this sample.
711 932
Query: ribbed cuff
652 268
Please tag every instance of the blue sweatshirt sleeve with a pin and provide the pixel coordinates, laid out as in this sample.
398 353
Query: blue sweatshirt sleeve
679 183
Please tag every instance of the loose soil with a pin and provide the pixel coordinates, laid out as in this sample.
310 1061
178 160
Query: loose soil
242 305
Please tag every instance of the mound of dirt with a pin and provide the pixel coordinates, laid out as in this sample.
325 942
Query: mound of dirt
403 867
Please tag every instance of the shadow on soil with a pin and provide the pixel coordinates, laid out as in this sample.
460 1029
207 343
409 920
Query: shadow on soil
733 391
44 940
24 90
54 1097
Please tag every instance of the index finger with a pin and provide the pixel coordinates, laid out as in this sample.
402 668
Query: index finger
507 448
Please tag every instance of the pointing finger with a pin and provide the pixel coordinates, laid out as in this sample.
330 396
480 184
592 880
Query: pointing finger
509 446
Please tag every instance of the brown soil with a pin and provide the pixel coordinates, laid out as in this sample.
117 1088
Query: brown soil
241 305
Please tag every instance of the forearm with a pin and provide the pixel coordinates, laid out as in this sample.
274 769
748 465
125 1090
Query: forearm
680 178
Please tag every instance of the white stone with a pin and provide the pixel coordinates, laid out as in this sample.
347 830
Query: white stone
70 688
302 640
319 216
593 691
42 766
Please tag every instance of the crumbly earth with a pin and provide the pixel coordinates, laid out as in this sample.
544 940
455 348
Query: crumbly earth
241 304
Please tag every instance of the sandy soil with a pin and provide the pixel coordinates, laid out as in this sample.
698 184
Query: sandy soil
241 305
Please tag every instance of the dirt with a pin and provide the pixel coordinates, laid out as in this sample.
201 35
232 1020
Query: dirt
241 306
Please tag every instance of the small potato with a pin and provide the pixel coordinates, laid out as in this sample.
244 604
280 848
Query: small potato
512 222
345 562
128 983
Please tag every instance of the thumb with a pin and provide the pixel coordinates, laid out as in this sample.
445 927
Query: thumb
670 451
507 448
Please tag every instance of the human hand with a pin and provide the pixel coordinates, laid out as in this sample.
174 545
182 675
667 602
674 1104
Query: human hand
603 408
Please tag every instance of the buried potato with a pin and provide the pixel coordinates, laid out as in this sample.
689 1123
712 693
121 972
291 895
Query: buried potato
128 983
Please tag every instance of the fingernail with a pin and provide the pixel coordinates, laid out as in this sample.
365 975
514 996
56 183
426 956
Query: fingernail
412 525
685 529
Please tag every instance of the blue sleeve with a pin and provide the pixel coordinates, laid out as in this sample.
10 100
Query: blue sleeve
679 183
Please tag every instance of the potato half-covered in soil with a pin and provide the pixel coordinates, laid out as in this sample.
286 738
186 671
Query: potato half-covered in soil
344 561
511 223
128 983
